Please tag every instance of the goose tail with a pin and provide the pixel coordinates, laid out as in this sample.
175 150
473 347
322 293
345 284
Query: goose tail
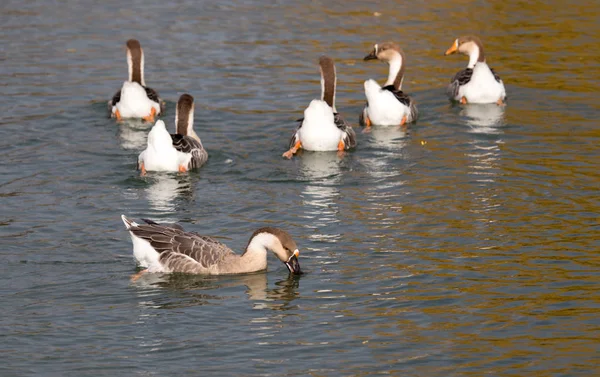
128 223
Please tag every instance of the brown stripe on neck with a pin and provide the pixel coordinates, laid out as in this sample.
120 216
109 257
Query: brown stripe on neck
481 57
328 76
400 75
184 108
478 43
135 51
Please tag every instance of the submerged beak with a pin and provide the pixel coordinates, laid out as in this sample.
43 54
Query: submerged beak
371 56
452 48
292 263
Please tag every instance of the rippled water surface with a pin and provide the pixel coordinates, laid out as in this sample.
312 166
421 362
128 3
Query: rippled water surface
467 246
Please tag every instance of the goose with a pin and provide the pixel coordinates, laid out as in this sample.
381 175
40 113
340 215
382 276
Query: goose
135 99
477 83
174 152
323 128
388 105
169 248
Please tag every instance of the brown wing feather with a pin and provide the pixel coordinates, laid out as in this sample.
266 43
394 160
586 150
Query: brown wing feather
187 144
205 251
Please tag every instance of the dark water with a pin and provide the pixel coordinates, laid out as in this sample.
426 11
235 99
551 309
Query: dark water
466 247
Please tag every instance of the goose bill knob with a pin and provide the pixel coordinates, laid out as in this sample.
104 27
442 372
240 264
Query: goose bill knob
453 48
292 263
372 55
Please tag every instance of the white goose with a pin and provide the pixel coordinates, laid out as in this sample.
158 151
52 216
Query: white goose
135 99
388 105
477 83
322 128
168 248
174 152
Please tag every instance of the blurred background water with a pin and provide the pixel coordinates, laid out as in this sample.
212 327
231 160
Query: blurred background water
465 246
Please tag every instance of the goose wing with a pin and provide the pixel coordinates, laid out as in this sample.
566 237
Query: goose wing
461 78
296 136
176 246
363 115
404 99
349 134
399 94
153 96
496 76
112 102
187 144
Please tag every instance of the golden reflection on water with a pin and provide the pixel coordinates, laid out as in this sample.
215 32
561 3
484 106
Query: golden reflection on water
477 251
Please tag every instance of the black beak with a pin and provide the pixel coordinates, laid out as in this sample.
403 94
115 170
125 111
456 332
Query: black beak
293 265
371 56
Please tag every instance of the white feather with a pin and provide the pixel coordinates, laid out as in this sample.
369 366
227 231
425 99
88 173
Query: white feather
318 131
384 108
160 155
145 255
134 101
483 87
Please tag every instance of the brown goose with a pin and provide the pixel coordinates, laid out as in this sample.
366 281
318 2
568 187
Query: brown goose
168 248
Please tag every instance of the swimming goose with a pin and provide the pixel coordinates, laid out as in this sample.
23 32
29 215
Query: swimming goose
168 248
174 152
322 128
135 99
477 83
388 105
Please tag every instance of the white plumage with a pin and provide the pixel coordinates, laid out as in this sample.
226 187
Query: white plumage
384 108
160 155
134 101
483 87
319 131
143 253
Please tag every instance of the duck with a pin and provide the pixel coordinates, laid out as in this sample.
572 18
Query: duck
168 248
478 83
388 105
181 151
322 128
135 99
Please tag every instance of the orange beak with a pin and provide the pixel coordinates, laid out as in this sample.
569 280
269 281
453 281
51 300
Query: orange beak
452 48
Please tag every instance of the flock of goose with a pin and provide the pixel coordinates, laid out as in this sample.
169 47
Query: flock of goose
169 248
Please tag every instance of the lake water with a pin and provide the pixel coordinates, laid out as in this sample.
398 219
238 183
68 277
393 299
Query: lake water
467 246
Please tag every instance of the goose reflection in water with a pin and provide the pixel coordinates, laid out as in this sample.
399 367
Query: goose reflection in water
322 172
486 123
215 288
165 189
388 138
484 118
133 134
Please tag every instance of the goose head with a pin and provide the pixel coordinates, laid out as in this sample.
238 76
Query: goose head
386 52
280 243
468 45
392 54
